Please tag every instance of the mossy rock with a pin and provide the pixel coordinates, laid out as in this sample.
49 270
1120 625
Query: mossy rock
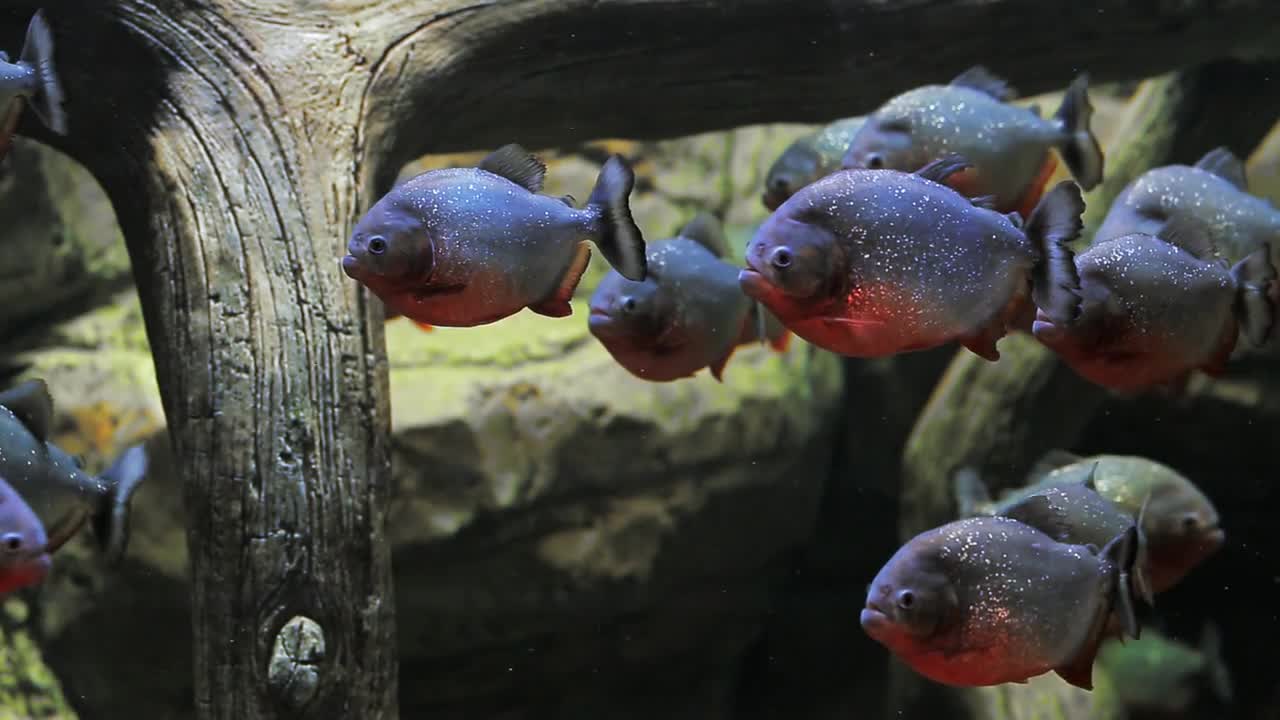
28 688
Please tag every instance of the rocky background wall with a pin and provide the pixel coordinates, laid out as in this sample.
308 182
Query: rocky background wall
570 541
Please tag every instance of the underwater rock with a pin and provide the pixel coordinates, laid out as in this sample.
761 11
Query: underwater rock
564 509
64 252
566 537
1046 697
28 688
548 509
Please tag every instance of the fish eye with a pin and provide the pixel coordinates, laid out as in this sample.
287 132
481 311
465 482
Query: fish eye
12 541
779 185
1190 523
781 258
906 599
875 162
628 305
377 245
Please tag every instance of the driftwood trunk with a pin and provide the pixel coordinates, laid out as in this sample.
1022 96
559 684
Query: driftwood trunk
239 140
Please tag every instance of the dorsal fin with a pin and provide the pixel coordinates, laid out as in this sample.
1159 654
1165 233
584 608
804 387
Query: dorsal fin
706 230
984 201
944 167
1189 234
517 165
1040 513
970 493
1222 162
1091 481
984 81
31 403
1052 460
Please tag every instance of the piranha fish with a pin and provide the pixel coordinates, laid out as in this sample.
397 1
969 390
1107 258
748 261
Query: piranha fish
870 263
1180 523
1156 308
1214 192
40 469
990 600
807 159
1069 512
31 79
24 560
469 246
687 314
1009 146
1158 676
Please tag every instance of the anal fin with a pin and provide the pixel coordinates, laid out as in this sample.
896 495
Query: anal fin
718 365
781 341
1216 366
1079 671
557 305
983 342
1031 196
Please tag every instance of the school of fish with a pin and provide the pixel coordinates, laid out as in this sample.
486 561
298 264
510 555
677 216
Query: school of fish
929 221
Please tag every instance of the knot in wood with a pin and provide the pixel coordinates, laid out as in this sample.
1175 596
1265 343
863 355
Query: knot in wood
294 672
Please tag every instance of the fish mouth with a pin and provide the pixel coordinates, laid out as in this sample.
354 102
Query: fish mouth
873 620
753 283
1214 538
1044 329
599 321
350 266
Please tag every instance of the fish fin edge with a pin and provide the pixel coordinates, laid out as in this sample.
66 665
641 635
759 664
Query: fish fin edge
513 162
32 404
986 82
617 235
1225 164
1079 147
1255 278
706 230
557 304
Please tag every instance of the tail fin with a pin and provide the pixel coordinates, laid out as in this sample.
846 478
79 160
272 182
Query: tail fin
1254 276
617 235
970 493
1055 284
111 517
1215 667
1079 146
1122 551
46 102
